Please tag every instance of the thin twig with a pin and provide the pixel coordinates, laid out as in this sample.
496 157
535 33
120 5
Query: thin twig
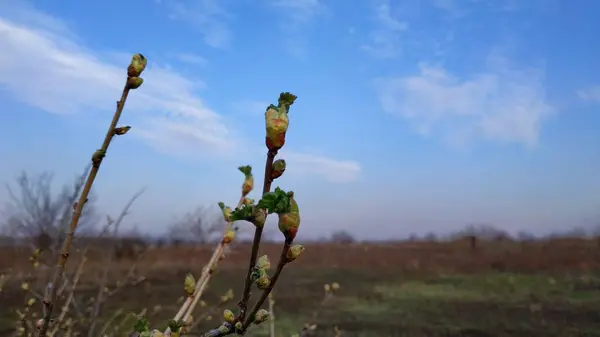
104 278
133 81
65 307
243 304
282 262
271 316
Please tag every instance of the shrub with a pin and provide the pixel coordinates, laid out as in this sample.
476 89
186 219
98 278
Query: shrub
277 201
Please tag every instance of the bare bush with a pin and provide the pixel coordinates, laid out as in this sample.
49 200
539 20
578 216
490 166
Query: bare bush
198 226
37 214
342 236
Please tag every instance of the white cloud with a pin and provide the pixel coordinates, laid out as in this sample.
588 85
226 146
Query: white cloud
591 94
500 103
332 170
251 107
42 68
301 11
190 58
207 16
385 39
297 17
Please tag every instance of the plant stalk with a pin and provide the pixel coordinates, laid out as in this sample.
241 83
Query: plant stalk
77 210
282 262
243 304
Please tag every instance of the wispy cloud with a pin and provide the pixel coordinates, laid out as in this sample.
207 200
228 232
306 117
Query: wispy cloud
209 17
501 103
190 58
251 107
300 11
591 94
44 69
166 112
297 17
332 170
386 37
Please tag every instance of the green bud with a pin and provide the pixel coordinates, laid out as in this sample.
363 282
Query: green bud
137 65
290 221
134 82
122 130
248 184
293 253
278 169
263 281
229 316
229 236
259 216
263 263
226 210
189 284
261 316
98 156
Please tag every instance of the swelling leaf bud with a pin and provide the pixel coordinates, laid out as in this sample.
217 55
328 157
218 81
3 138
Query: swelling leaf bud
189 284
134 82
263 281
293 253
137 65
278 169
122 130
226 211
229 316
290 221
261 316
277 121
229 236
263 263
259 216
248 184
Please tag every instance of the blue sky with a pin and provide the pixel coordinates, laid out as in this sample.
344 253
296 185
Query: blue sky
412 116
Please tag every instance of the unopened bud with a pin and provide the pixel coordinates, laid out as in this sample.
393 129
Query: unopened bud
229 236
294 252
261 316
137 65
229 316
189 284
122 130
289 222
263 263
278 168
263 281
259 217
134 82
248 184
226 210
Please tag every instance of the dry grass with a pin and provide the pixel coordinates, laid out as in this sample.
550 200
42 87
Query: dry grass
397 289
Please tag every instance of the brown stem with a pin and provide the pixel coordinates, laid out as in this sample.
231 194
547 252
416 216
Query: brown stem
267 291
243 304
191 301
77 210
271 316
66 306
109 260
305 330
